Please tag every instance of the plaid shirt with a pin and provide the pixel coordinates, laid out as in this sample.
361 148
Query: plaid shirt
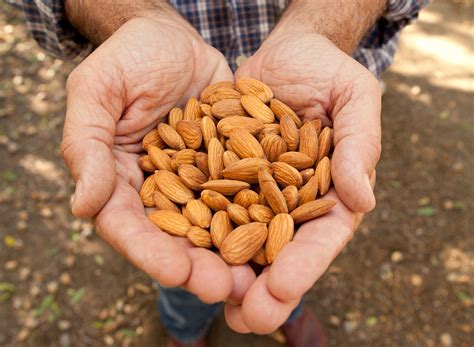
235 27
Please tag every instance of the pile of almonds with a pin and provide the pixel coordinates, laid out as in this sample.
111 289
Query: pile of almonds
236 170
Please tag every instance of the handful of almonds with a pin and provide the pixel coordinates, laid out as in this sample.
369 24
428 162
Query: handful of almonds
237 171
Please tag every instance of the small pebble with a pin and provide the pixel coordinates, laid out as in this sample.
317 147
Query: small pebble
23 335
104 314
21 225
350 326
70 260
65 340
119 305
458 167
131 291
23 215
46 212
64 325
35 290
448 204
425 200
11 265
31 322
416 280
396 257
335 321
65 279
23 273
446 339
17 303
109 340
52 287
127 309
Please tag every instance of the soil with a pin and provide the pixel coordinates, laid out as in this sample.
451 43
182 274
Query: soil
405 279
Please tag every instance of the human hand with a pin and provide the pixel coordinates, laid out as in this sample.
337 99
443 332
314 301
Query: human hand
117 95
312 76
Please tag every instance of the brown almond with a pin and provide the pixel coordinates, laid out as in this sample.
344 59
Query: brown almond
202 162
145 163
238 214
159 158
289 133
175 115
262 200
291 196
271 129
245 145
309 141
272 193
185 156
226 125
245 198
229 158
208 129
250 86
311 210
261 213
298 160
215 160
280 109
225 186
163 203
172 222
245 169
286 175
170 136
306 174
199 237
308 192
317 124
172 187
228 108
257 109
199 213
221 227
219 91
152 139
191 176
325 142
242 243
192 110
214 200
280 233
273 146
190 133
259 257
146 191
323 173
206 110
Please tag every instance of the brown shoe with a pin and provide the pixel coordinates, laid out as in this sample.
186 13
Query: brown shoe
173 343
304 331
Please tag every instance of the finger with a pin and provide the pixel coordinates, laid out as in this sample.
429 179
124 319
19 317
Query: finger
357 140
233 317
243 277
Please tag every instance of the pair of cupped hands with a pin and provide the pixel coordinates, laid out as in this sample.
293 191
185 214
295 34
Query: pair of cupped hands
123 89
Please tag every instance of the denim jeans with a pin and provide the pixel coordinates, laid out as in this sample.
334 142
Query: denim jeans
186 318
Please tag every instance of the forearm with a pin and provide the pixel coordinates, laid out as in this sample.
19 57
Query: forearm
98 20
341 21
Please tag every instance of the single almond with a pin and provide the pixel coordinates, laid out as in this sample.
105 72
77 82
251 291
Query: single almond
172 222
306 174
170 136
219 91
192 110
225 186
215 160
272 193
163 203
273 146
172 187
229 158
257 109
245 198
208 129
308 192
280 233
145 163
199 213
175 115
226 125
245 170
309 141
242 243
191 176
311 210
214 200
199 237
261 213
221 227
146 191
325 142
317 124
259 257
298 160
170 152
323 173
280 109
202 162
206 110
228 108
291 196
238 214
250 86
185 156
286 175
245 145
190 133
159 158
152 139
289 133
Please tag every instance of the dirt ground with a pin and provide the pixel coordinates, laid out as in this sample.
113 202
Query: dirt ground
405 280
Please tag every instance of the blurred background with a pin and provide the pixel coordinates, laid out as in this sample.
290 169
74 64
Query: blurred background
405 280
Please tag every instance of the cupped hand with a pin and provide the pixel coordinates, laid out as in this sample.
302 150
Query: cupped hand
315 78
114 97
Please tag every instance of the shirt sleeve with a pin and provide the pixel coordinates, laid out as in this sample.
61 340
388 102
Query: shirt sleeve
377 48
47 23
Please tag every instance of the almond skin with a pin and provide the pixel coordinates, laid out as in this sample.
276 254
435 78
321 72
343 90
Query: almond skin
306 174
257 109
172 187
145 163
172 222
308 192
280 109
228 108
163 203
259 257
175 115
208 129
245 198
245 145
272 193
190 132
289 133
245 170
202 163
291 196
214 200
252 125
229 158
226 187
242 243
219 91
311 210
325 142
309 141
152 139
250 86
221 227
146 191
298 160
206 110
192 110
191 176
261 213
273 146
199 213
199 237
238 214
185 156
159 158
323 174
280 232
286 175
170 136
215 161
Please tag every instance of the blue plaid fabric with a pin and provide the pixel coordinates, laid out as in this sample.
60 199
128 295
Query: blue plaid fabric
235 27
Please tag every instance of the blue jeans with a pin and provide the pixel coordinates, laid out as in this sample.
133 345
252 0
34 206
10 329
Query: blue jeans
188 319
